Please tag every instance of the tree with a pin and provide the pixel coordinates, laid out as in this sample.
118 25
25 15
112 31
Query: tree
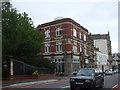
9 31
19 37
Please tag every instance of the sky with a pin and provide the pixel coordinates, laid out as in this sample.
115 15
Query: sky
98 17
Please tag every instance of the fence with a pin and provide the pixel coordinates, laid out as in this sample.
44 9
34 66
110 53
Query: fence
21 68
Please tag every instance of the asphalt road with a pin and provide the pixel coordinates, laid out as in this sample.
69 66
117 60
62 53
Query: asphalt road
110 82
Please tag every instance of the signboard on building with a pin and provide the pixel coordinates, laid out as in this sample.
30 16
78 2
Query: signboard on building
86 61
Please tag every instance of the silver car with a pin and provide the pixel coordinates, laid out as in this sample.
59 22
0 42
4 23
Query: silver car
109 72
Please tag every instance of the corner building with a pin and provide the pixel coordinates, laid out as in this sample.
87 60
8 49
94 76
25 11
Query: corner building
66 44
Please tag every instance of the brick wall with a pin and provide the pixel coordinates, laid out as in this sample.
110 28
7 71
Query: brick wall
19 77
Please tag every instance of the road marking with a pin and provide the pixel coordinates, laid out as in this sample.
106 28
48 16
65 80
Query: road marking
66 86
115 86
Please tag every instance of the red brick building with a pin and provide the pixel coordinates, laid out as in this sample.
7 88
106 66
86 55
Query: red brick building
66 44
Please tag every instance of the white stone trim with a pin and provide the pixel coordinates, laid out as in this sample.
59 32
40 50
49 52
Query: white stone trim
65 23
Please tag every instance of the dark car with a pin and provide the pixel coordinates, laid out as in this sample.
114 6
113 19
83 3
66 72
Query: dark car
87 78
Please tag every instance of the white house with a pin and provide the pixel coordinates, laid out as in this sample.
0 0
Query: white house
103 42
102 60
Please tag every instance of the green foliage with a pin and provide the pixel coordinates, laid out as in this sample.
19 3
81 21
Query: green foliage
20 39
36 73
9 31
43 62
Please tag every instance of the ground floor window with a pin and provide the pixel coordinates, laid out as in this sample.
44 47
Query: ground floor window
76 63
60 68
76 67
59 62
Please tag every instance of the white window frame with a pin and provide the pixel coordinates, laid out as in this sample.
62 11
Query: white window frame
76 59
80 48
47 33
47 47
58 46
85 38
58 31
74 48
75 32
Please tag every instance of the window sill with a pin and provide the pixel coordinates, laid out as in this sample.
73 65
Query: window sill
56 37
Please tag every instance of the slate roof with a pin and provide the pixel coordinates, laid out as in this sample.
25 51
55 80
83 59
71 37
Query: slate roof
100 36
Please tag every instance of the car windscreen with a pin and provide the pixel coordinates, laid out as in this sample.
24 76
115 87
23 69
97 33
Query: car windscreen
85 72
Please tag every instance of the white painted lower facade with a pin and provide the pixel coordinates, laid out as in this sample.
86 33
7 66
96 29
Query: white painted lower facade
102 61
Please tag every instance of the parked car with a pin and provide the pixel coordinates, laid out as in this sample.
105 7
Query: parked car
115 71
87 78
109 72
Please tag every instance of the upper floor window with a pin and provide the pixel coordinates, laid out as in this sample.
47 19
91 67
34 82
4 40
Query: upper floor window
47 33
58 46
74 32
85 38
58 31
47 47
74 48
80 48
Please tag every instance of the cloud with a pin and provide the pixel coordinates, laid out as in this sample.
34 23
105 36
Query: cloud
97 17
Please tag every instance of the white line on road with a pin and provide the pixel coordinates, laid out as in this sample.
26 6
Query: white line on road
114 86
66 86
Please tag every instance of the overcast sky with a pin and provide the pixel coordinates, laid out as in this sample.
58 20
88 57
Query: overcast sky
98 17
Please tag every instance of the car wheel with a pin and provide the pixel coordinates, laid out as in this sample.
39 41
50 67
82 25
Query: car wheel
72 88
101 84
94 85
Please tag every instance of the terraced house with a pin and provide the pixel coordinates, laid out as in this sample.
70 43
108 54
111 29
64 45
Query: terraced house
66 44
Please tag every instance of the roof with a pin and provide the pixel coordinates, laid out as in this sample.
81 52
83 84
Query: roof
100 36
60 21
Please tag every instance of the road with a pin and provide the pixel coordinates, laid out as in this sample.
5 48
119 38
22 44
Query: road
110 82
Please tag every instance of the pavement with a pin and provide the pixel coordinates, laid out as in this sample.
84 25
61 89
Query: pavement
116 87
25 83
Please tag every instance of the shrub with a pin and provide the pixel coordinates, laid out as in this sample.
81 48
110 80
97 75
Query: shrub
36 73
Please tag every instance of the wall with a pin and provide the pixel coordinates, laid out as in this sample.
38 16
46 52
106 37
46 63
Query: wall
102 45
19 77
102 60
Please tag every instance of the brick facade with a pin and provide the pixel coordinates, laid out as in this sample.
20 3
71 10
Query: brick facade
66 44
